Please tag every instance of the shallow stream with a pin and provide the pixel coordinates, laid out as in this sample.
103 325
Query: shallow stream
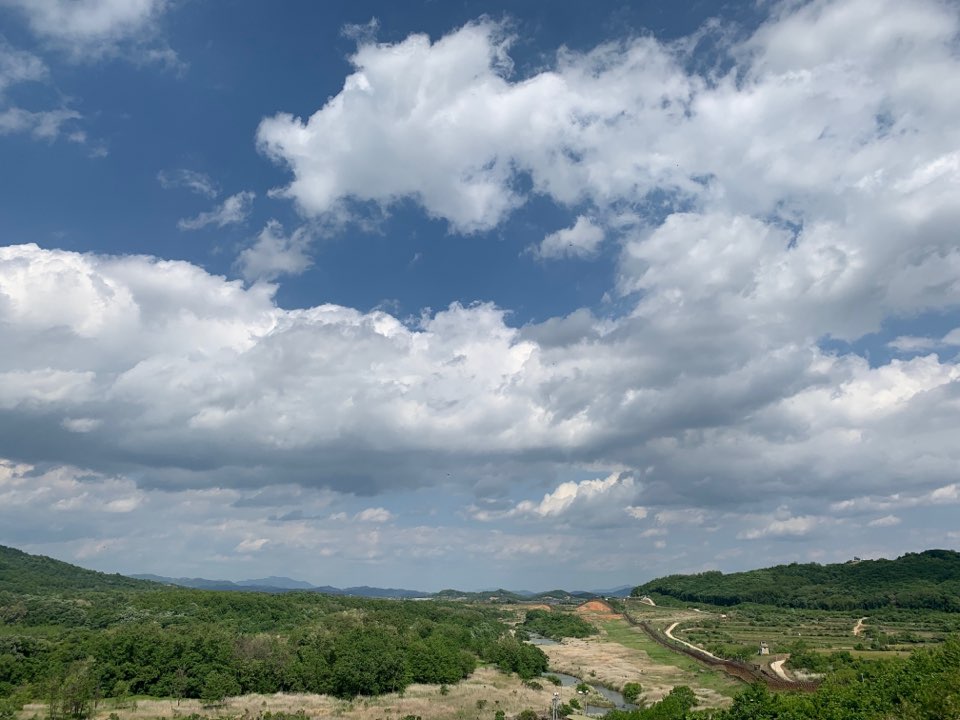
570 681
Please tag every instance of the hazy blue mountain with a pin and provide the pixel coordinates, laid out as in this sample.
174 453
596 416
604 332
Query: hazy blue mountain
277 582
622 591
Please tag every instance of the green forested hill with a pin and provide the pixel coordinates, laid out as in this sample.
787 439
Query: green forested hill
33 574
71 636
927 580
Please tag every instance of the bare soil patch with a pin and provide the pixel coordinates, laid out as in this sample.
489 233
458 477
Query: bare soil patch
597 610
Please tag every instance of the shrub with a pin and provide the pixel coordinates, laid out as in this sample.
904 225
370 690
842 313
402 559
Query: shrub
631 691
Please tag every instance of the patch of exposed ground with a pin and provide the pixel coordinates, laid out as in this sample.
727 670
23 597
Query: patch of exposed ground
858 628
777 667
491 688
597 610
613 665
538 607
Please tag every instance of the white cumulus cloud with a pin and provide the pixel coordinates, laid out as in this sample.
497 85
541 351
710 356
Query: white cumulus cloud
275 253
581 240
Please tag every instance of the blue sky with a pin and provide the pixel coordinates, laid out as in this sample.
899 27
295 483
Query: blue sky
463 294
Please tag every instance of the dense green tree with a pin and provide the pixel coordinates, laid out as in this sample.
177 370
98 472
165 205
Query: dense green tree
557 625
368 661
218 686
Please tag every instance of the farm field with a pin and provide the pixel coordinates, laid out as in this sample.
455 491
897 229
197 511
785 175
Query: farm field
741 629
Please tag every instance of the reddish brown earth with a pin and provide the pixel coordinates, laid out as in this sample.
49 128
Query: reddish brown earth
598 610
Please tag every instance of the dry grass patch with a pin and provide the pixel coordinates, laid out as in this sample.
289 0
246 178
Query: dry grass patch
493 689
614 665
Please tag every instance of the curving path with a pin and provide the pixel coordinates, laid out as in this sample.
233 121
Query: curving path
858 628
669 633
777 667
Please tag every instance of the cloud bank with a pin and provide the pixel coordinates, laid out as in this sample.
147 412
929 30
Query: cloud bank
795 200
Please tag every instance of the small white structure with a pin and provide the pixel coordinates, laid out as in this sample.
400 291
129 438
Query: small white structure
764 648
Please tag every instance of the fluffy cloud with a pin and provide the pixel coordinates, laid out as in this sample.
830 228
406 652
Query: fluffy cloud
199 380
274 253
787 527
820 186
374 515
944 495
625 119
911 344
90 27
885 521
582 240
599 502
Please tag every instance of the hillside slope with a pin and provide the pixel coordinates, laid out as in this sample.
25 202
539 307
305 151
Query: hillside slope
21 572
928 580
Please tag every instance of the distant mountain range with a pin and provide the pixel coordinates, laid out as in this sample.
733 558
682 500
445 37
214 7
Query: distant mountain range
22 572
275 584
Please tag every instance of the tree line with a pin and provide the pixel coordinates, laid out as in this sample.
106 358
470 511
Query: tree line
202 644
929 580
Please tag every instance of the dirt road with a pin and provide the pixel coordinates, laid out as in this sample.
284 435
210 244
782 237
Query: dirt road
858 628
669 633
777 667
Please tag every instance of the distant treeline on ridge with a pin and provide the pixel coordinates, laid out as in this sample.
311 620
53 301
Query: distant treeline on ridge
928 580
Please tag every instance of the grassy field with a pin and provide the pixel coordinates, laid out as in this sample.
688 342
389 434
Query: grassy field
697 674
887 632
622 653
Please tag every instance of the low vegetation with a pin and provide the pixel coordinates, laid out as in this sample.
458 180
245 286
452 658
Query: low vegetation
557 625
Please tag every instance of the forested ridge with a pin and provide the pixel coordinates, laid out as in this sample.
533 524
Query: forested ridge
68 636
24 573
926 580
